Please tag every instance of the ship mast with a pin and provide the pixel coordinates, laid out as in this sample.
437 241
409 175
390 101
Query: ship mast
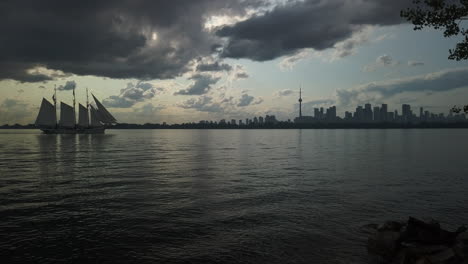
87 105
55 103
74 106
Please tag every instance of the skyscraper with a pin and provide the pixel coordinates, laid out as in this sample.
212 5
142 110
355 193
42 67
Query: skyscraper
406 112
316 113
383 112
368 112
376 113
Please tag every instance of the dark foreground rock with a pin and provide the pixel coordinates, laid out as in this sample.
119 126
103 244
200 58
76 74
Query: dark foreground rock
418 242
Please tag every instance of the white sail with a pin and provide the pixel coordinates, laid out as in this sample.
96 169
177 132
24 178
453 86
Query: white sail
95 120
83 117
67 115
105 116
46 116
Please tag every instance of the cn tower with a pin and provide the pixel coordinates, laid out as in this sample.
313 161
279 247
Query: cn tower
300 102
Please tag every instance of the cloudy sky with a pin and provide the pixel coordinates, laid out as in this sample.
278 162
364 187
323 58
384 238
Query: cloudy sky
190 60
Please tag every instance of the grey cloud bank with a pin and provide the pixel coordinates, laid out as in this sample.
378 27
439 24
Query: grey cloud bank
305 24
434 82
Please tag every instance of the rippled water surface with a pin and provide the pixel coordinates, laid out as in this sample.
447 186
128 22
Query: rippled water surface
221 196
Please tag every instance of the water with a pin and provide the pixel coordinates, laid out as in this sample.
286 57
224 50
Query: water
221 196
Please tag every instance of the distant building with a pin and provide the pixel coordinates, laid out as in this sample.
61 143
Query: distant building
331 113
359 114
406 113
377 114
384 113
348 115
270 119
317 113
368 113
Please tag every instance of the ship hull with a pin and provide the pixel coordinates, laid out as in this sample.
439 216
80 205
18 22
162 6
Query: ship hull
91 130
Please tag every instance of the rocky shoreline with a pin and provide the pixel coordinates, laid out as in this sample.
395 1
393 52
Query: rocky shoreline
416 241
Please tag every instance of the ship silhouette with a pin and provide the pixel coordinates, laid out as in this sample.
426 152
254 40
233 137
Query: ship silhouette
91 120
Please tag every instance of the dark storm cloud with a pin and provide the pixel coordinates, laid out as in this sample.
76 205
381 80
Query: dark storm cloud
142 39
305 24
201 85
214 67
19 71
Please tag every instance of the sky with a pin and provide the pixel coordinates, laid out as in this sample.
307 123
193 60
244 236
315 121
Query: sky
185 61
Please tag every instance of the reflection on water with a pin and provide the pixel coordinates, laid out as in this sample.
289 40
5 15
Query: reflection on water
220 196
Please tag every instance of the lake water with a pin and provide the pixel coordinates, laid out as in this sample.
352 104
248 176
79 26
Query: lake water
221 196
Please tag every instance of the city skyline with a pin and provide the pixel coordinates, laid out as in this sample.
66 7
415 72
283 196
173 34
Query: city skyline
162 68
365 113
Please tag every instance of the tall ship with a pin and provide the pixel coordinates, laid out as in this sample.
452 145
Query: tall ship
91 119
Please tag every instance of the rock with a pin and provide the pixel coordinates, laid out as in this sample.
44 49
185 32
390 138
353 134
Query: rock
441 256
422 260
401 258
383 243
460 249
422 249
391 226
463 237
427 233
417 242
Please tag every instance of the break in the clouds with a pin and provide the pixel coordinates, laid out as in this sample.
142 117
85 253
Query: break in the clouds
132 94
69 85
434 82
305 24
